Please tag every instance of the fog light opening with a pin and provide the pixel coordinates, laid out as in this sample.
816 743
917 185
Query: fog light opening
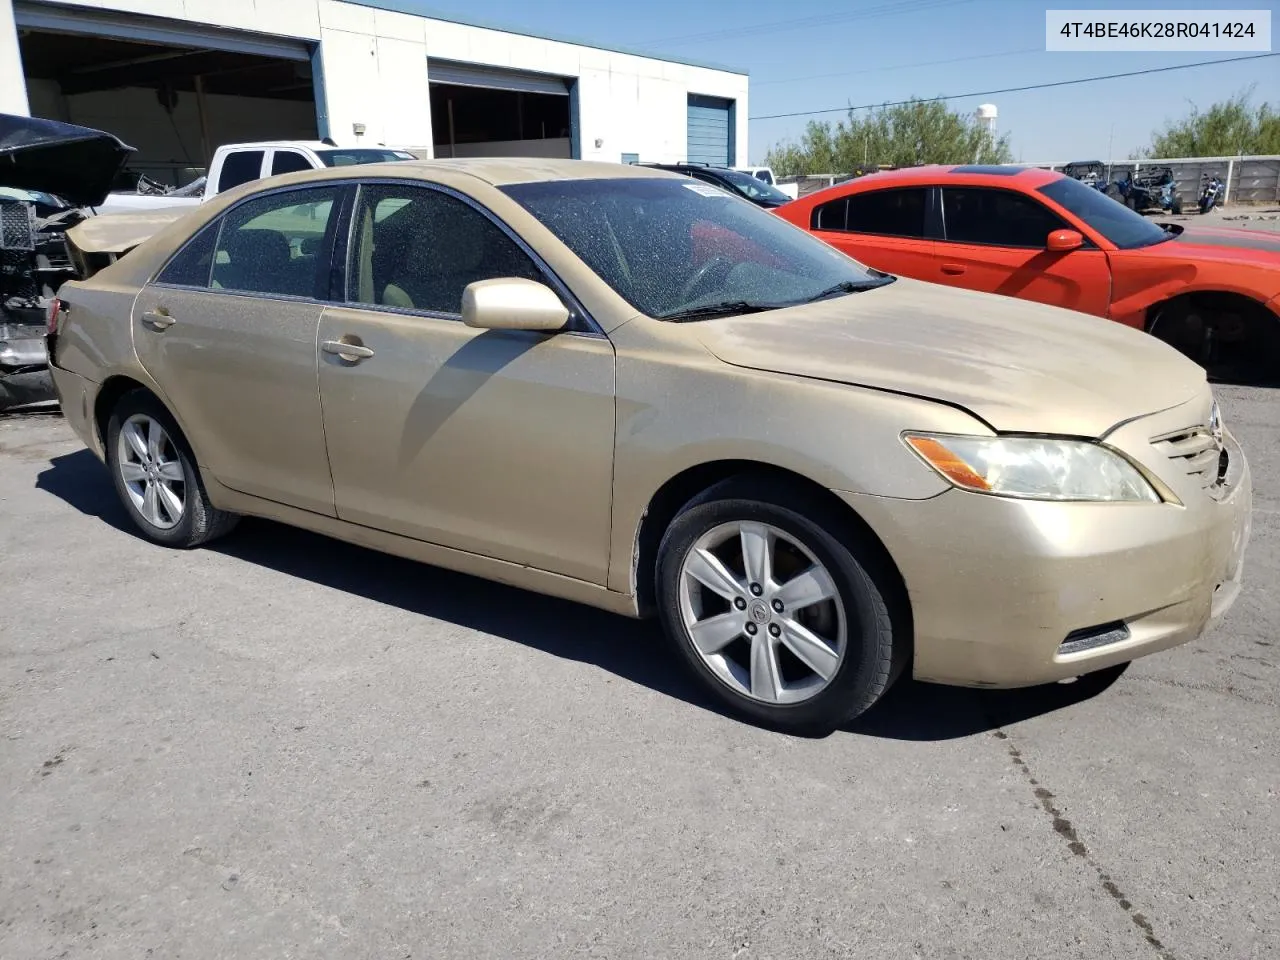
1091 638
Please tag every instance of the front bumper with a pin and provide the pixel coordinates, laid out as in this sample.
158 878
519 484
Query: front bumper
997 586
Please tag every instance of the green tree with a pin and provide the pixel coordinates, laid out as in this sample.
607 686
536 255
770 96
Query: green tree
1229 128
908 134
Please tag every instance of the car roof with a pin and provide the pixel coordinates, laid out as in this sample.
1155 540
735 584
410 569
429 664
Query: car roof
267 144
973 174
496 171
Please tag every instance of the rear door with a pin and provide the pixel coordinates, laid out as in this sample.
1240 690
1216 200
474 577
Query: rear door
994 240
228 332
884 229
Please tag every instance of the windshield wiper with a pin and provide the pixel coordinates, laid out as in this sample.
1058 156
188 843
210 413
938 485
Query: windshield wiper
848 286
724 308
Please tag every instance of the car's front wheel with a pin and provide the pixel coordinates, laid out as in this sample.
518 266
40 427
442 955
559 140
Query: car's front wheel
777 608
156 477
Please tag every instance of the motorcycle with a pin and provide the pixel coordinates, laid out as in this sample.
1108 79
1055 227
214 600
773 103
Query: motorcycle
1211 187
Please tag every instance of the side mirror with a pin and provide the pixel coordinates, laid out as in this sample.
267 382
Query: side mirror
512 303
1063 241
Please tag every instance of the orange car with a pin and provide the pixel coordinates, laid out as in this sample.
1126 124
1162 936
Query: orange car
1213 293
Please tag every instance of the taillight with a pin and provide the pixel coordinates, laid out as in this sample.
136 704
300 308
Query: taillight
55 312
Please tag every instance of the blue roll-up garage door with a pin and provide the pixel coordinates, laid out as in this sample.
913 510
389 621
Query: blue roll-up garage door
710 130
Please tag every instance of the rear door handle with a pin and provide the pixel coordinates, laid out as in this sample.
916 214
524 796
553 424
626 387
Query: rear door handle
158 319
952 269
347 351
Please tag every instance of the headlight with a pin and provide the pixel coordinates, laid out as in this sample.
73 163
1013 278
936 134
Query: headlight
1036 468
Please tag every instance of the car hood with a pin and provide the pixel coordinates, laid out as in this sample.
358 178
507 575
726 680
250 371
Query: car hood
1215 240
1019 366
78 164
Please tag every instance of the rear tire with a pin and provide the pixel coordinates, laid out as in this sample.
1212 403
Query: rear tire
795 632
156 477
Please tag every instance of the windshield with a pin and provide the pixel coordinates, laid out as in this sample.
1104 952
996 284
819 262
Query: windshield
1122 226
750 186
30 196
668 246
346 158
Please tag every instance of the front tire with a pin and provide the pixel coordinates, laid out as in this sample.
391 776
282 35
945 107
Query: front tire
156 477
777 609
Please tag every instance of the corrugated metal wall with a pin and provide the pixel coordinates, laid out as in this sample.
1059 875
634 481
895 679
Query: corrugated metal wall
710 130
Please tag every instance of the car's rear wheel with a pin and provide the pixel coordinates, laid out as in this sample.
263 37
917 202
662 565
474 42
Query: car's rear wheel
780 616
156 477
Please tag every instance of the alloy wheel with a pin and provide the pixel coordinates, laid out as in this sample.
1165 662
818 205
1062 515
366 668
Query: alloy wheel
152 471
763 613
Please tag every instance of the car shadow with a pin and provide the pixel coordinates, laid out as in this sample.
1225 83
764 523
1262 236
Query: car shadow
630 649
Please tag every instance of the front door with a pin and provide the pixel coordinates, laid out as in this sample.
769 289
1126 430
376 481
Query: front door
499 443
994 241
228 332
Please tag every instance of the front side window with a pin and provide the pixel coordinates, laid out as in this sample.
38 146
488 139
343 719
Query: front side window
274 244
239 167
888 213
1122 226
998 218
415 248
669 246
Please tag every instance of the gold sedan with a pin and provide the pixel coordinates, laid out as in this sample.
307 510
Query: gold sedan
631 389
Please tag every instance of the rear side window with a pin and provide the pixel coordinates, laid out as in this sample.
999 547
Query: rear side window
887 213
830 215
275 244
240 167
998 218
190 268
287 161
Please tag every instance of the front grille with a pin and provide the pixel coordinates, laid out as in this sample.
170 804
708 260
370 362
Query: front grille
1197 452
17 225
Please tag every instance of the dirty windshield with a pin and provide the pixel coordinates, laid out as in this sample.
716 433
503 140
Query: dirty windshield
674 249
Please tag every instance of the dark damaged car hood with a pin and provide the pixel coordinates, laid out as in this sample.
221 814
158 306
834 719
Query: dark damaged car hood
78 164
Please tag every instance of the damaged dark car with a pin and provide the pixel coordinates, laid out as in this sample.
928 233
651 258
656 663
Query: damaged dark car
52 175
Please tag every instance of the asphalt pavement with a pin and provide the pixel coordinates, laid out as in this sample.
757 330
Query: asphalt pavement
286 747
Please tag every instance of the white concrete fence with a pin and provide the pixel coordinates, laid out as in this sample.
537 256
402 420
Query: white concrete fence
1249 179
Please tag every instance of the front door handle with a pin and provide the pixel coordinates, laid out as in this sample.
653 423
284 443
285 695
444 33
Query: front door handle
351 352
952 269
158 319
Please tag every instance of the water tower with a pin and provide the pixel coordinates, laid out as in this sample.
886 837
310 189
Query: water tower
986 117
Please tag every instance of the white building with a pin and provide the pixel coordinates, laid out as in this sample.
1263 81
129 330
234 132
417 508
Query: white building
176 78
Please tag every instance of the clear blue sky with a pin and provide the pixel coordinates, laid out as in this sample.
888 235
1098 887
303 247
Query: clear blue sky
877 46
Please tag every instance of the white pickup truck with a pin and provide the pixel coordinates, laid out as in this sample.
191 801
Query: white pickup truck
237 163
